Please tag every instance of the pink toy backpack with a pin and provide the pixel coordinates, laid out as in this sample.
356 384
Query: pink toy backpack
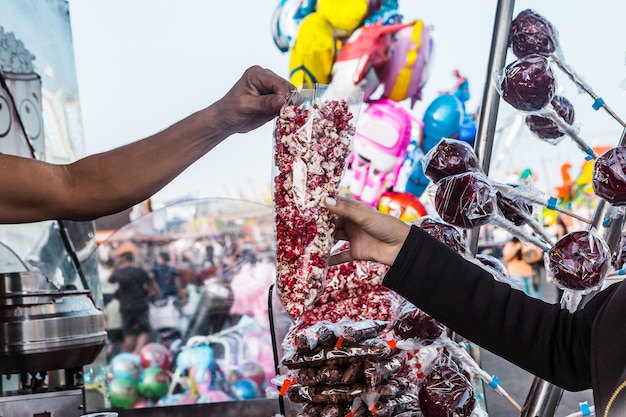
382 136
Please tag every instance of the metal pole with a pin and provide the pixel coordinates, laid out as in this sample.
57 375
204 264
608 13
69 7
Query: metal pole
543 398
491 98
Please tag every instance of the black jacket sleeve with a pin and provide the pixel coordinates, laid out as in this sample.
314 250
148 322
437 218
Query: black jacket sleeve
539 337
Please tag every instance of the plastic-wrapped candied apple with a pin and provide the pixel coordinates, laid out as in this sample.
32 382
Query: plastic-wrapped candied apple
544 127
579 261
528 84
465 200
493 263
443 232
414 323
450 157
531 33
446 392
516 210
609 176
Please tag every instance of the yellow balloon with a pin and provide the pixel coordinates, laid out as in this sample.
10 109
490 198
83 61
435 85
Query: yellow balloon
313 53
344 15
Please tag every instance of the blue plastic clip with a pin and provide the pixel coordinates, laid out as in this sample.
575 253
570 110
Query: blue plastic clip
598 103
494 382
551 204
606 221
584 409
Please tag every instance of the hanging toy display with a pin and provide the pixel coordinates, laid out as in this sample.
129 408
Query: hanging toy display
383 133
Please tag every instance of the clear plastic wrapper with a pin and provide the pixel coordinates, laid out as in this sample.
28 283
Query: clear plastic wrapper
377 372
531 33
342 333
414 323
609 176
375 350
379 407
449 157
446 391
498 270
444 232
465 200
528 84
469 201
545 128
312 143
520 212
344 280
324 394
578 263
328 375
370 302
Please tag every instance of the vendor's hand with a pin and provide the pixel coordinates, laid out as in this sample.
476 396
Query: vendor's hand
373 235
254 100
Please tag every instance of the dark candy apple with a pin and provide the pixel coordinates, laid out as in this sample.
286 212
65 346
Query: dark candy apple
609 176
465 200
446 392
443 232
450 157
516 210
531 33
545 127
579 261
414 323
528 84
493 263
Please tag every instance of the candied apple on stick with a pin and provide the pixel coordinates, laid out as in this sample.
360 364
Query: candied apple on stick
578 263
531 33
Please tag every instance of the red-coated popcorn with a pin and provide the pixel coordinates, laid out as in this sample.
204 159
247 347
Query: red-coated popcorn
311 148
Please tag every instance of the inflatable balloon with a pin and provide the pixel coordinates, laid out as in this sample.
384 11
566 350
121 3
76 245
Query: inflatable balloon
402 205
218 396
362 61
154 354
344 16
313 53
245 389
153 383
382 136
387 14
286 21
123 392
442 119
124 365
408 67
252 371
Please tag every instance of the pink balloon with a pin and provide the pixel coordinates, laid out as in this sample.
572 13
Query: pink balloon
218 396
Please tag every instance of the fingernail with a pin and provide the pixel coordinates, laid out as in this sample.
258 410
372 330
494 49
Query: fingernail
331 202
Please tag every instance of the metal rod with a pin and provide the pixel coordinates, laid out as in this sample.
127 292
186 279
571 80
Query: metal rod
488 116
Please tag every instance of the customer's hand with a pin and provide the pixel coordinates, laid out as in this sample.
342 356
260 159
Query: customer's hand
373 235
254 100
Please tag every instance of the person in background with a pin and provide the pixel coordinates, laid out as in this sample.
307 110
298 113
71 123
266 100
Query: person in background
112 181
575 351
134 293
167 277
519 257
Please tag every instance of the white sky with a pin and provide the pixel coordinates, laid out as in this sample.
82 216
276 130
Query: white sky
144 64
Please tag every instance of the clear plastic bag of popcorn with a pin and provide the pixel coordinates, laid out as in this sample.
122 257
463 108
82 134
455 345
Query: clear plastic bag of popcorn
312 144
